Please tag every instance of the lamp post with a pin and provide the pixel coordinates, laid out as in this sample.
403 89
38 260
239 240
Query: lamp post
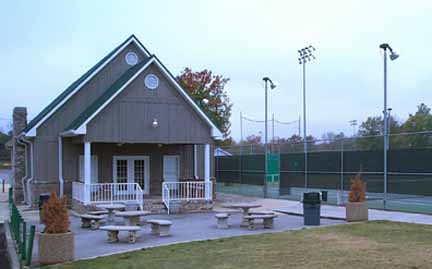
305 55
272 86
393 56
388 126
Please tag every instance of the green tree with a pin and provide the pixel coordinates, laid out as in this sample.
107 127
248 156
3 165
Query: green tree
208 91
371 131
4 152
421 121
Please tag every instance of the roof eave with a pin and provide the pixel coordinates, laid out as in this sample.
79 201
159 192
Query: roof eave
33 130
69 133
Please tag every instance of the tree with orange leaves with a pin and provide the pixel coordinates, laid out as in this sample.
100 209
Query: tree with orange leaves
208 91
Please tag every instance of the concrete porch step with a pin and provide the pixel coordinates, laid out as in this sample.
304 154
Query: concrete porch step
154 205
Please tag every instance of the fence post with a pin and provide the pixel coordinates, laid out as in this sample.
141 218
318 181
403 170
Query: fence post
23 244
30 246
342 172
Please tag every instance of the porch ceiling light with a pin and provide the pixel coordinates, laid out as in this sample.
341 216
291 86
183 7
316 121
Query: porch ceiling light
155 123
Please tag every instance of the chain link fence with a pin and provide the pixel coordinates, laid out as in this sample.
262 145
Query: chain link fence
330 164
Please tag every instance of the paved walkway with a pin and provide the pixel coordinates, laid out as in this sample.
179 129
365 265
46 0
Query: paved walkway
334 212
4 209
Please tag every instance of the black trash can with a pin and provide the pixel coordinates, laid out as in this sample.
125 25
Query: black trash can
311 208
43 198
324 196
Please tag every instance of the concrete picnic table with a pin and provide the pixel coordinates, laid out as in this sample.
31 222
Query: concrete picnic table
132 218
110 208
245 208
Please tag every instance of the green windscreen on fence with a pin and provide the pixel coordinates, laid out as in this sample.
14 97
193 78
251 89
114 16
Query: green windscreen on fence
409 170
273 168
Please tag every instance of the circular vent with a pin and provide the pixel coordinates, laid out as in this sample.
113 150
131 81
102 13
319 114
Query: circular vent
151 81
131 58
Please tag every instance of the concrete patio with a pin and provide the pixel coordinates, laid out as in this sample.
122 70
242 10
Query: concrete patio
186 227
202 226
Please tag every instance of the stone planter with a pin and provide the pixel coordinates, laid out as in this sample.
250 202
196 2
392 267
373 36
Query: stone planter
356 211
56 248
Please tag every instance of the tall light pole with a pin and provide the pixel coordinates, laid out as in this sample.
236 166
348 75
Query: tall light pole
353 123
393 56
388 126
272 86
305 55
241 127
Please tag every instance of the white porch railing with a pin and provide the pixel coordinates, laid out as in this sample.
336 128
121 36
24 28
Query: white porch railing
186 191
103 193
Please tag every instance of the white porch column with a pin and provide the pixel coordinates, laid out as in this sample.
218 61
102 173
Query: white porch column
207 171
87 171
60 165
195 163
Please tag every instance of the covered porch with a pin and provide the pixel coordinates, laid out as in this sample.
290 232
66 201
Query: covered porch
100 173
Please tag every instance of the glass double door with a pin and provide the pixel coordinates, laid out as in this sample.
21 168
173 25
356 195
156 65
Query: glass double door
132 169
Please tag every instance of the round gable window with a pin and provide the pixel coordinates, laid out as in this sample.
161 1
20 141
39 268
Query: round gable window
151 82
131 58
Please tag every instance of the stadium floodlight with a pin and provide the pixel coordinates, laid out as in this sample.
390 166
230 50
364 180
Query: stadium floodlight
353 124
273 85
305 55
393 56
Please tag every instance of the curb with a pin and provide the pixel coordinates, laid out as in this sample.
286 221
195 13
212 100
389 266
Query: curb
301 215
13 257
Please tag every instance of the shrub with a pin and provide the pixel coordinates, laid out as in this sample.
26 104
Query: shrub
358 190
55 215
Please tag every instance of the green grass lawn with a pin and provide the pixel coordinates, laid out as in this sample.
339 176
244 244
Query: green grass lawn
377 244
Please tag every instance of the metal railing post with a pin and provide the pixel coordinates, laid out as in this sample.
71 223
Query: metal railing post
30 246
23 244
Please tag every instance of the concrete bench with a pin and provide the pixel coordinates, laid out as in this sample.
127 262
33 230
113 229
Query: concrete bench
160 227
267 221
98 212
91 221
262 212
113 230
222 220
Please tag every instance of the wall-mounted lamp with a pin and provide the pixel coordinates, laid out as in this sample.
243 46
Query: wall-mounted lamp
155 123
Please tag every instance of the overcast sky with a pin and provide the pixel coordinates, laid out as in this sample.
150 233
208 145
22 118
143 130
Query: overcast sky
46 45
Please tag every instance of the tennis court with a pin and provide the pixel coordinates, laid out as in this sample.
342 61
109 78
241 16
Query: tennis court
329 167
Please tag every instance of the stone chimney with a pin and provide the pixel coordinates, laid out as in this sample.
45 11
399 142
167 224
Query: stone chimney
19 118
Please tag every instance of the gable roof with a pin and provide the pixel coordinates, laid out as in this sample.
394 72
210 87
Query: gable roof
30 130
90 110
79 125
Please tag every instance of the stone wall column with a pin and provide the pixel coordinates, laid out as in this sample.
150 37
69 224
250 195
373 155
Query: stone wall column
19 118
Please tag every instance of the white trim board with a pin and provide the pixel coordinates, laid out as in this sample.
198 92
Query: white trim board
32 131
215 132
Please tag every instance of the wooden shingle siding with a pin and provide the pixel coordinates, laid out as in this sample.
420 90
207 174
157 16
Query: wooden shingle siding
87 94
45 145
128 118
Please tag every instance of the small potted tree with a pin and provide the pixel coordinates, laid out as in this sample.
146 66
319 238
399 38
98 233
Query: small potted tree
56 242
356 208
